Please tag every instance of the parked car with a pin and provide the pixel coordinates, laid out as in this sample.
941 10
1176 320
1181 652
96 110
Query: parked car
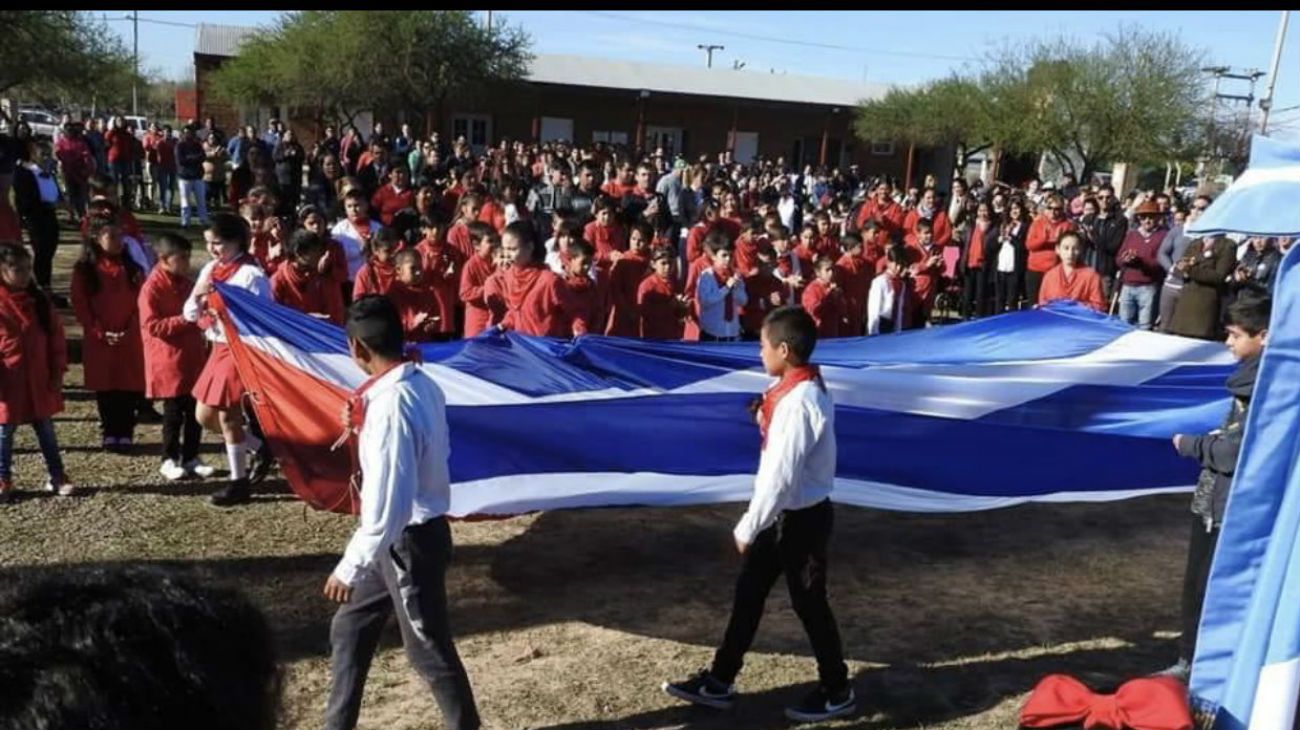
44 124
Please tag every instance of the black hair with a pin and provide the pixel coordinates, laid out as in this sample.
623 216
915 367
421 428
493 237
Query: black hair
646 230
134 649
896 254
373 321
792 326
86 265
479 230
717 242
230 227
302 242
306 212
1250 312
663 253
524 232
384 238
850 241
433 219
407 224
580 247
823 262
779 231
170 244
10 255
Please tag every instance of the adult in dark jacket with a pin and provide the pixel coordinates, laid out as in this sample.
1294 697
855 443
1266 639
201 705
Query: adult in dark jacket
38 197
289 157
1217 453
375 172
1104 233
1010 258
1205 268
1257 268
978 261
190 156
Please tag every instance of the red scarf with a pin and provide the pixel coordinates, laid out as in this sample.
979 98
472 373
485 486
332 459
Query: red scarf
793 376
519 283
362 234
226 269
975 256
722 274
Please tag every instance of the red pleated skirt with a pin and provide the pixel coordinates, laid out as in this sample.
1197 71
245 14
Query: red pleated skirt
219 385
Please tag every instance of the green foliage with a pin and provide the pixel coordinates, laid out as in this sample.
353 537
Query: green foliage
50 54
344 62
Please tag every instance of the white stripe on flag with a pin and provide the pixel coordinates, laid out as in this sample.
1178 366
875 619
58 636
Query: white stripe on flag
1276 696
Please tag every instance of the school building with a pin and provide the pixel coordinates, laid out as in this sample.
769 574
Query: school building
688 109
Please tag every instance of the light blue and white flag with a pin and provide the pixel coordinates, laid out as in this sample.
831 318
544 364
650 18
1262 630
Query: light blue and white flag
1263 201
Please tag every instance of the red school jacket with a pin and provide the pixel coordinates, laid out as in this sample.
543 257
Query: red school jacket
412 300
658 312
472 281
376 277
34 360
826 307
112 308
309 293
533 300
605 239
854 274
624 283
442 265
174 349
588 302
759 288
388 200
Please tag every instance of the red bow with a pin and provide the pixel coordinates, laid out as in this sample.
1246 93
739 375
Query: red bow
1156 703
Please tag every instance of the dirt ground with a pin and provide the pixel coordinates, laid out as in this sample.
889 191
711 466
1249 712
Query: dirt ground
572 619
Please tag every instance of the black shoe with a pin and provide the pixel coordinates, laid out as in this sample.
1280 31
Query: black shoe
259 465
236 492
821 705
60 301
703 689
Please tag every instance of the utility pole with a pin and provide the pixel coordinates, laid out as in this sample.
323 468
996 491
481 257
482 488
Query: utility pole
1266 102
1223 72
708 50
489 21
135 57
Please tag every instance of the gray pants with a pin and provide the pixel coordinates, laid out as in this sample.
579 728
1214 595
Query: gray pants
411 578
1168 300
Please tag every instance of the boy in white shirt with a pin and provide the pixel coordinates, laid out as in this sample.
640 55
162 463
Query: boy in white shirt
396 561
787 526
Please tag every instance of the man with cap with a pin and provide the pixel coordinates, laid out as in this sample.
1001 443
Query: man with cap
1138 262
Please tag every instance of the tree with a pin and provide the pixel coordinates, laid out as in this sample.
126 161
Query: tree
341 63
1132 96
51 54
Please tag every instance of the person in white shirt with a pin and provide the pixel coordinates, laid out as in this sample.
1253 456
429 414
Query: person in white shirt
354 231
720 293
219 391
786 527
396 560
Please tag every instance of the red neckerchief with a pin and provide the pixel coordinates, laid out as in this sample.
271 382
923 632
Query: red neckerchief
519 282
110 265
382 275
793 376
722 274
364 236
579 283
22 304
226 269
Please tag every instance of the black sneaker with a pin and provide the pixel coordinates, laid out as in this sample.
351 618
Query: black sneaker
821 705
703 689
236 492
260 463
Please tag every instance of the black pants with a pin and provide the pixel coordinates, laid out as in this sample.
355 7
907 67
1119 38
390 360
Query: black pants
181 434
1006 291
216 195
43 229
796 547
706 337
411 577
1200 551
974 293
1033 282
117 412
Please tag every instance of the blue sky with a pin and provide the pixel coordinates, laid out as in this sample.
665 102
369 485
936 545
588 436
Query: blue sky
903 47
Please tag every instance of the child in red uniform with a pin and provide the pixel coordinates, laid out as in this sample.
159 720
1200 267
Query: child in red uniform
378 273
588 289
532 300
824 300
807 250
334 264
394 196
765 293
854 273
440 266
625 280
219 391
414 300
262 241
35 357
893 304
298 283
459 235
827 242
788 267
926 257
605 234
747 245
659 307
1070 279
105 287
710 213
174 352
475 274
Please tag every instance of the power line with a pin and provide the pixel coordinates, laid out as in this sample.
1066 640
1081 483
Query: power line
771 39
158 22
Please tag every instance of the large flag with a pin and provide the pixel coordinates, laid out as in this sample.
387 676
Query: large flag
1056 404
1247 667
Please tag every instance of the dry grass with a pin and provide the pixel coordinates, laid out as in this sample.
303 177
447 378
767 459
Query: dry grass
571 619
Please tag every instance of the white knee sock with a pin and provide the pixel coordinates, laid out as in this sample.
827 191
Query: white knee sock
238 465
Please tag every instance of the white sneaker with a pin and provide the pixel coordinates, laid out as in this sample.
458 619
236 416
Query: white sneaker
170 471
63 489
196 468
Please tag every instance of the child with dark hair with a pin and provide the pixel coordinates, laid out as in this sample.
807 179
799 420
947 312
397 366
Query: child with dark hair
893 304
765 293
853 273
393 196
588 288
824 299
299 284
174 352
219 391
414 299
625 279
787 526
334 264
105 288
441 265
1217 452
605 233
474 276
720 293
35 357
468 207
527 297
134 648
355 230
659 307
377 275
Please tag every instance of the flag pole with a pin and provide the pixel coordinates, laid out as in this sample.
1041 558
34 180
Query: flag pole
1266 102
